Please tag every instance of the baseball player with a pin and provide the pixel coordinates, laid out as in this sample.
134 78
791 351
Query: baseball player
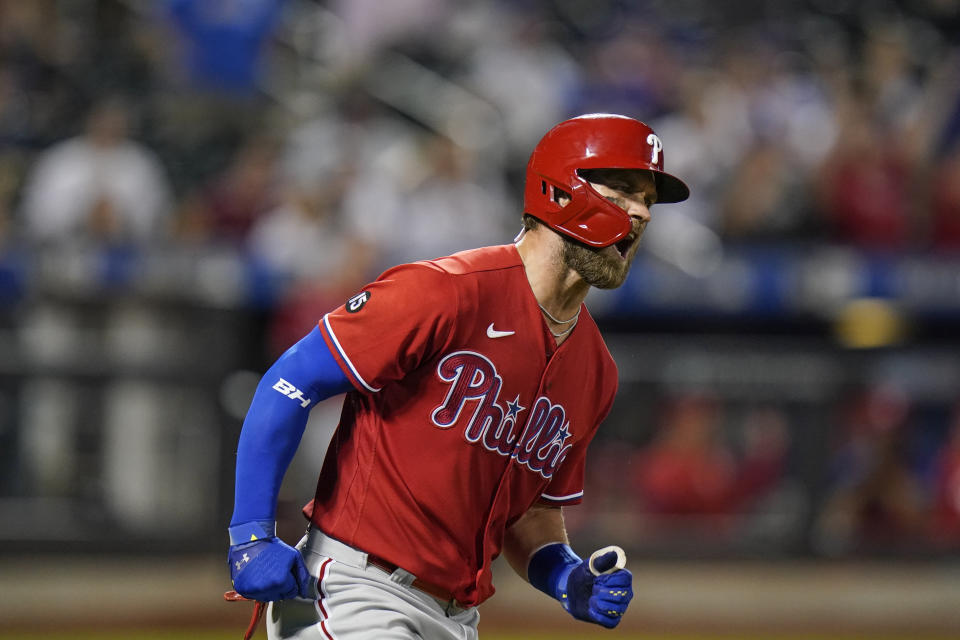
474 384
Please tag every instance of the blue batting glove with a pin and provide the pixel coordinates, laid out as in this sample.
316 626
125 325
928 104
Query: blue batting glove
267 568
601 599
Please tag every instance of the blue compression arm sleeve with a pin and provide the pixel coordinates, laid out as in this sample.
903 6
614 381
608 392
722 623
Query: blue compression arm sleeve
306 374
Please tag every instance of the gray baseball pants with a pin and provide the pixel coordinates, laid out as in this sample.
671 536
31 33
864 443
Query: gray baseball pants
360 601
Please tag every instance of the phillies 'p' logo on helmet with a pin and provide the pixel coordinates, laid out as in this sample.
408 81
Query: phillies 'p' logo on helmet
593 141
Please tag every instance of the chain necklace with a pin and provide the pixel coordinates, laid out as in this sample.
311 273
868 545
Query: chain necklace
562 333
550 315
572 320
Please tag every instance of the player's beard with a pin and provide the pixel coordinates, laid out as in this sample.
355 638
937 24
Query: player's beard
603 268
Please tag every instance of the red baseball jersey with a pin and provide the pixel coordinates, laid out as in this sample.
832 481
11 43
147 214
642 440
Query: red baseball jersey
465 414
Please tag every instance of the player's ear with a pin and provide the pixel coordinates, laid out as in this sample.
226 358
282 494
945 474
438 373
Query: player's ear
560 196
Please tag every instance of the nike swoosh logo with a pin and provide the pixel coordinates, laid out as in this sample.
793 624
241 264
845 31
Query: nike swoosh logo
493 333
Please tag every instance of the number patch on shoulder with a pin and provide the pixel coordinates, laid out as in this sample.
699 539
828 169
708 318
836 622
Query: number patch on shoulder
356 303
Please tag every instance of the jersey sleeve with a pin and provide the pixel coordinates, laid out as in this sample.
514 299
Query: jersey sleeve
566 485
392 326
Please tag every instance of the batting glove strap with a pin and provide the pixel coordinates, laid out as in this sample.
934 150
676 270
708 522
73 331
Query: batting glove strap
549 567
252 531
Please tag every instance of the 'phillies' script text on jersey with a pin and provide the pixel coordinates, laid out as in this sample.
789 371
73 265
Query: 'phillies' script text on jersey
541 446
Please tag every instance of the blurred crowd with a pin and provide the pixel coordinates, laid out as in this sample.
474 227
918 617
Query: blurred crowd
309 132
709 475
326 140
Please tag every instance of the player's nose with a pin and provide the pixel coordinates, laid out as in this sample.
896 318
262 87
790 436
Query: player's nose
639 210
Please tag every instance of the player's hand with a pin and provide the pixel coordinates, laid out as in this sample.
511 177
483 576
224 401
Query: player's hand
269 569
601 599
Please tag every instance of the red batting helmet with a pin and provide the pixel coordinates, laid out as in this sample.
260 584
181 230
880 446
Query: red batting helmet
593 141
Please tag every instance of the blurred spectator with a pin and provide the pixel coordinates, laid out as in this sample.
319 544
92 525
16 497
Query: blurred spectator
689 470
116 52
889 81
14 107
945 202
631 70
307 241
37 98
455 203
304 237
215 56
875 502
446 201
224 40
371 25
766 198
696 135
101 185
516 65
866 185
227 207
946 499
387 158
9 178
793 108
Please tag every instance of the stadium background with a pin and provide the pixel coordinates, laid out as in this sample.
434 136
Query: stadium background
186 186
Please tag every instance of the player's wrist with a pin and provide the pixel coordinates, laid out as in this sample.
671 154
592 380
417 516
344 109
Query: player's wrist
252 531
550 566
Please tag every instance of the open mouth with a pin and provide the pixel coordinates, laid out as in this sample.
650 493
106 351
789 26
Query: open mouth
624 245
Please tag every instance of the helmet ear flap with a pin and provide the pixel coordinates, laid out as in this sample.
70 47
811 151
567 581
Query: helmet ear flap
554 197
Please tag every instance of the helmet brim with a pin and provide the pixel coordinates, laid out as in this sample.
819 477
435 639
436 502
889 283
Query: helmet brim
670 188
